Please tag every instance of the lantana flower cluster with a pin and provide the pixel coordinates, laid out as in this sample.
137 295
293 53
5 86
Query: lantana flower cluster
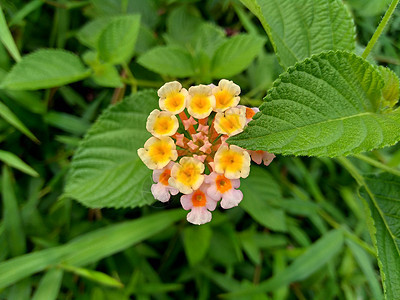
188 153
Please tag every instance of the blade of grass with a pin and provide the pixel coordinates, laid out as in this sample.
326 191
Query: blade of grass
14 161
7 39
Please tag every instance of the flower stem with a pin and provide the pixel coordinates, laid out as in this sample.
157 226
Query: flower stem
380 28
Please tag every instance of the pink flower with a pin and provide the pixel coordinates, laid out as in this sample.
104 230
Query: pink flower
261 156
200 204
222 187
161 190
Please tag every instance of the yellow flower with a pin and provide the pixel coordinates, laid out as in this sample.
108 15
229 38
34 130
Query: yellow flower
230 122
158 152
232 161
226 95
201 101
187 175
172 97
162 123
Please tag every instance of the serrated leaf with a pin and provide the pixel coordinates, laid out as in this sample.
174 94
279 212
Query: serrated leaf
168 60
259 191
327 105
106 171
382 194
391 89
45 68
299 29
117 40
235 55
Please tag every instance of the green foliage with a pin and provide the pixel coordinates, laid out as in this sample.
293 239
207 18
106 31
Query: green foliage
14 161
196 241
260 197
117 40
302 28
168 60
7 39
88 248
382 193
106 171
234 55
391 89
49 285
328 105
44 69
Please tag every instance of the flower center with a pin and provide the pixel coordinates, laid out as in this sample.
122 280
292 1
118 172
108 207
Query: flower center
160 151
163 125
174 101
199 199
223 184
223 99
165 176
200 104
249 113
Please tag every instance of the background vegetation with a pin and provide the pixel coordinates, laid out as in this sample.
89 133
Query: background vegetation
301 230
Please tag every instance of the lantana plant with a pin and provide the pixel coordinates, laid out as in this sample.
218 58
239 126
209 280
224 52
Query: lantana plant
188 152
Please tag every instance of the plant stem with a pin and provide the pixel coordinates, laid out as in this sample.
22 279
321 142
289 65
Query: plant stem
380 28
378 164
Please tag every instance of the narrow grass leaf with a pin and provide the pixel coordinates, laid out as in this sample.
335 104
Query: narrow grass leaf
11 118
196 241
89 247
314 258
7 39
49 285
15 162
93 275
11 216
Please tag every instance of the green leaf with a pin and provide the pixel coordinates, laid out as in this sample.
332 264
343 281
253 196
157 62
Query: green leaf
168 60
89 247
45 68
196 241
89 34
299 29
67 122
117 40
235 55
367 267
259 191
382 194
93 275
391 89
7 39
11 118
314 258
15 162
106 170
49 285
11 216
327 105
369 7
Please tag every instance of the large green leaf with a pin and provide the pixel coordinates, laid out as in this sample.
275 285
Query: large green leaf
88 248
117 40
235 54
299 29
327 105
106 170
168 60
45 68
382 193
260 190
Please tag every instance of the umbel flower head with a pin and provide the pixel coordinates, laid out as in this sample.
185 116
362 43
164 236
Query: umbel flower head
188 153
